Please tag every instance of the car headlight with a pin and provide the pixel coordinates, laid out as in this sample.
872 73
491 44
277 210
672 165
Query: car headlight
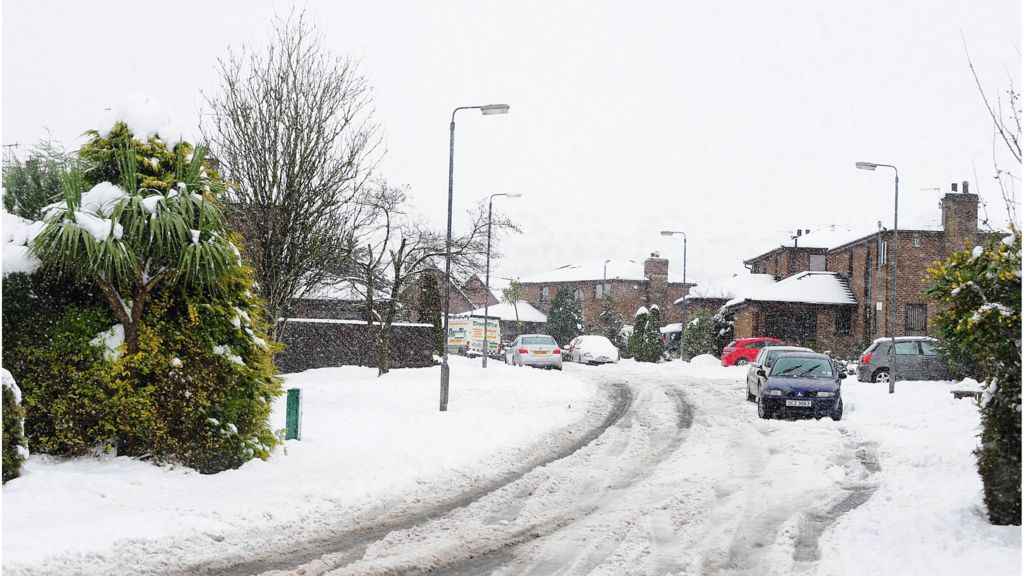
587 354
826 394
774 392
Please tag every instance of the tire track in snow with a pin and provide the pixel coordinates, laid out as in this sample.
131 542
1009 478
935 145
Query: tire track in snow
346 544
859 491
585 543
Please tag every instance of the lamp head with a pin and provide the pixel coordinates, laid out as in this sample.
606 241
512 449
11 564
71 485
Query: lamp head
666 233
494 109
867 165
514 195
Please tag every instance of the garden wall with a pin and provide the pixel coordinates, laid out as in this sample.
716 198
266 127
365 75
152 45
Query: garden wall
322 343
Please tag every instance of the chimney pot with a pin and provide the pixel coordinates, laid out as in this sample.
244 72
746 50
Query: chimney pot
963 186
953 186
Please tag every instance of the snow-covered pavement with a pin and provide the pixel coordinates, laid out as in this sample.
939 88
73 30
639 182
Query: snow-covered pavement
685 480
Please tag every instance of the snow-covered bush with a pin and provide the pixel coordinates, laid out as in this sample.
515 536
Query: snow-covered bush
699 336
138 243
565 318
724 320
68 397
980 291
31 185
645 341
610 324
14 448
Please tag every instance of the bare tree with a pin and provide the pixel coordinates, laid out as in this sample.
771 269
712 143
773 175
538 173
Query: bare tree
1005 112
401 248
291 129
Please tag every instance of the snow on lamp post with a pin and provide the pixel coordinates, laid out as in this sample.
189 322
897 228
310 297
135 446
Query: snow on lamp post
486 110
895 269
487 275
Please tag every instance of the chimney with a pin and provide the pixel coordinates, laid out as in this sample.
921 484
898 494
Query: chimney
656 272
959 219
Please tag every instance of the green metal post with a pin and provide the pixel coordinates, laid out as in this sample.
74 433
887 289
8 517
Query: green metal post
293 415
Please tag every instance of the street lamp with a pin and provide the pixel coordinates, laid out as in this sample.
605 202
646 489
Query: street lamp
604 279
682 309
487 282
670 233
895 268
486 110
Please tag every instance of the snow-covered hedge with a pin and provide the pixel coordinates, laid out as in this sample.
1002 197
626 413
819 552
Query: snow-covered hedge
14 448
980 291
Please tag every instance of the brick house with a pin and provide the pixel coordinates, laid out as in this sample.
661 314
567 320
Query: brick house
709 297
633 284
863 266
461 297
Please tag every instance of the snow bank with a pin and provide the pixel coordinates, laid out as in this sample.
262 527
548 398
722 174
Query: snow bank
705 360
927 515
365 440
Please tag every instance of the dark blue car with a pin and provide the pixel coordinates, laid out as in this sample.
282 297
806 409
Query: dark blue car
801 384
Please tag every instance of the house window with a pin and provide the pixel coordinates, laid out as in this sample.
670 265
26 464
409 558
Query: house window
818 262
578 294
844 320
883 249
917 241
544 294
599 291
917 319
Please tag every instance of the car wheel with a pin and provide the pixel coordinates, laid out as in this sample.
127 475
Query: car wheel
742 362
882 376
750 397
837 414
762 411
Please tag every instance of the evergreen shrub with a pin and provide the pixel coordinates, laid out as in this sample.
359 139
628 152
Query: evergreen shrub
980 291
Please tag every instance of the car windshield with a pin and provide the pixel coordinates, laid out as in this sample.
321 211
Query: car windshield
772 355
803 367
538 341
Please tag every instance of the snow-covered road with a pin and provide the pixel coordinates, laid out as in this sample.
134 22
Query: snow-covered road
668 488
627 469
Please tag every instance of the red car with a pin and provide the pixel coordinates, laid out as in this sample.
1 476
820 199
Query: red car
743 351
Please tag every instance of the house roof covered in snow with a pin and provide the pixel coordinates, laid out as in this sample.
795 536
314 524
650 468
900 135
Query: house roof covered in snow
632 270
505 311
737 285
806 287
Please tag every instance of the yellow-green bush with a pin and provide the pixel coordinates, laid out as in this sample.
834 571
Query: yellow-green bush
196 385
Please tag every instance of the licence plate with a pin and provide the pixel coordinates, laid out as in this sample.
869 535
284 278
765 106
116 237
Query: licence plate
540 352
801 403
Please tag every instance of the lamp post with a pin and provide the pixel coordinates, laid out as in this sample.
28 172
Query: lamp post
671 233
486 110
895 268
487 275
682 309
604 279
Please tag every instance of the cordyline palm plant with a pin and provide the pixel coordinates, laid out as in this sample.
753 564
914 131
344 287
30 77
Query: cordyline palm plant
128 239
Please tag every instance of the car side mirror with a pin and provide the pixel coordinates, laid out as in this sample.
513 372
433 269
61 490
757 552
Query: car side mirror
762 373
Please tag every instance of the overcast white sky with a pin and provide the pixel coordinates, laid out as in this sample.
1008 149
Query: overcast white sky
732 121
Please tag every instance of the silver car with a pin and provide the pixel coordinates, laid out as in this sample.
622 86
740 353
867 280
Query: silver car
764 360
538 350
917 358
